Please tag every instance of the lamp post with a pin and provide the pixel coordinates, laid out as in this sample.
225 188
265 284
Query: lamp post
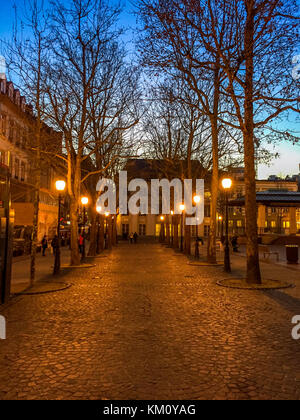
60 187
172 229
227 184
182 208
220 224
197 200
106 229
84 202
162 229
98 210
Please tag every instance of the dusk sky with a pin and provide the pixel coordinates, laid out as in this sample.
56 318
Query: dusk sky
287 164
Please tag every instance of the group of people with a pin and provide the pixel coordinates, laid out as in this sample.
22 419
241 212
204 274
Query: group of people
133 238
54 245
234 242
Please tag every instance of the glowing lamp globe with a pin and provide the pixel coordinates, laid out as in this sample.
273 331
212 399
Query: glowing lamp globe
84 201
60 185
226 183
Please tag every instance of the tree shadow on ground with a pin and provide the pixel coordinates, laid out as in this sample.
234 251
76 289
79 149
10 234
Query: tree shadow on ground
288 302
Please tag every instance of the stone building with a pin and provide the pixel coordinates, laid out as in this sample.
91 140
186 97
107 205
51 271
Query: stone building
283 217
278 202
16 152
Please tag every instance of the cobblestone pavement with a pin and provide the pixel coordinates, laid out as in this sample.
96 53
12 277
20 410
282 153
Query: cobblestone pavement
143 324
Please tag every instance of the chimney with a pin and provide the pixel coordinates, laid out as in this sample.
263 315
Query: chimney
2 68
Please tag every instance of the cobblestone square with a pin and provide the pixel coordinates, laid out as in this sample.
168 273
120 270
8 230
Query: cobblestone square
144 324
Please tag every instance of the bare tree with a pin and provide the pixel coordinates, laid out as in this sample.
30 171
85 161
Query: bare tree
26 55
81 34
170 43
255 55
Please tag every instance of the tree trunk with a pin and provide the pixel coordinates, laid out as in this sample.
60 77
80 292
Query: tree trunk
175 227
75 256
168 233
187 241
211 248
110 232
253 268
114 231
34 237
93 232
100 236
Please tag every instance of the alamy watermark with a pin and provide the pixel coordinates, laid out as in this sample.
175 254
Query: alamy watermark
296 329
296 67
2 328
143 201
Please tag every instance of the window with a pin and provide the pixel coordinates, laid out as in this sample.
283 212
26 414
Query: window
273 224
142 230
286 225
3 124
125 229
23 171
206 230
2 157
17 168
11 131
207 211
239 223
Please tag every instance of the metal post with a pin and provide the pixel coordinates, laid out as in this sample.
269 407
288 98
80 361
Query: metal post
181 239
197 254
84 223
227 266
98 235
56 270
106 233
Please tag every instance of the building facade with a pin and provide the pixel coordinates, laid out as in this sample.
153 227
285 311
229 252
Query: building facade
16 152
281 218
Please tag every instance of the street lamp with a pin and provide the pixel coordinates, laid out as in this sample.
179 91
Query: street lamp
227 184
84 202
197 200
60 187
181 208
220 219
162 228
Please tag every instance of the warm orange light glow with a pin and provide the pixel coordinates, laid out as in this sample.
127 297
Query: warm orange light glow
84 201
227 183
162 218
197 199
172 213
182 207
60 185
107 214
99 209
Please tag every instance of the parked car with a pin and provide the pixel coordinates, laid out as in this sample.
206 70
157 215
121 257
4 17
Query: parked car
22 240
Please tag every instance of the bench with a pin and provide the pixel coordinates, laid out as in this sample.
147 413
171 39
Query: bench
266 251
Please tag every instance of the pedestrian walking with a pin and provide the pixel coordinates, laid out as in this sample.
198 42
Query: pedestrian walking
54 244
80 243
135 237
131 238
44 245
